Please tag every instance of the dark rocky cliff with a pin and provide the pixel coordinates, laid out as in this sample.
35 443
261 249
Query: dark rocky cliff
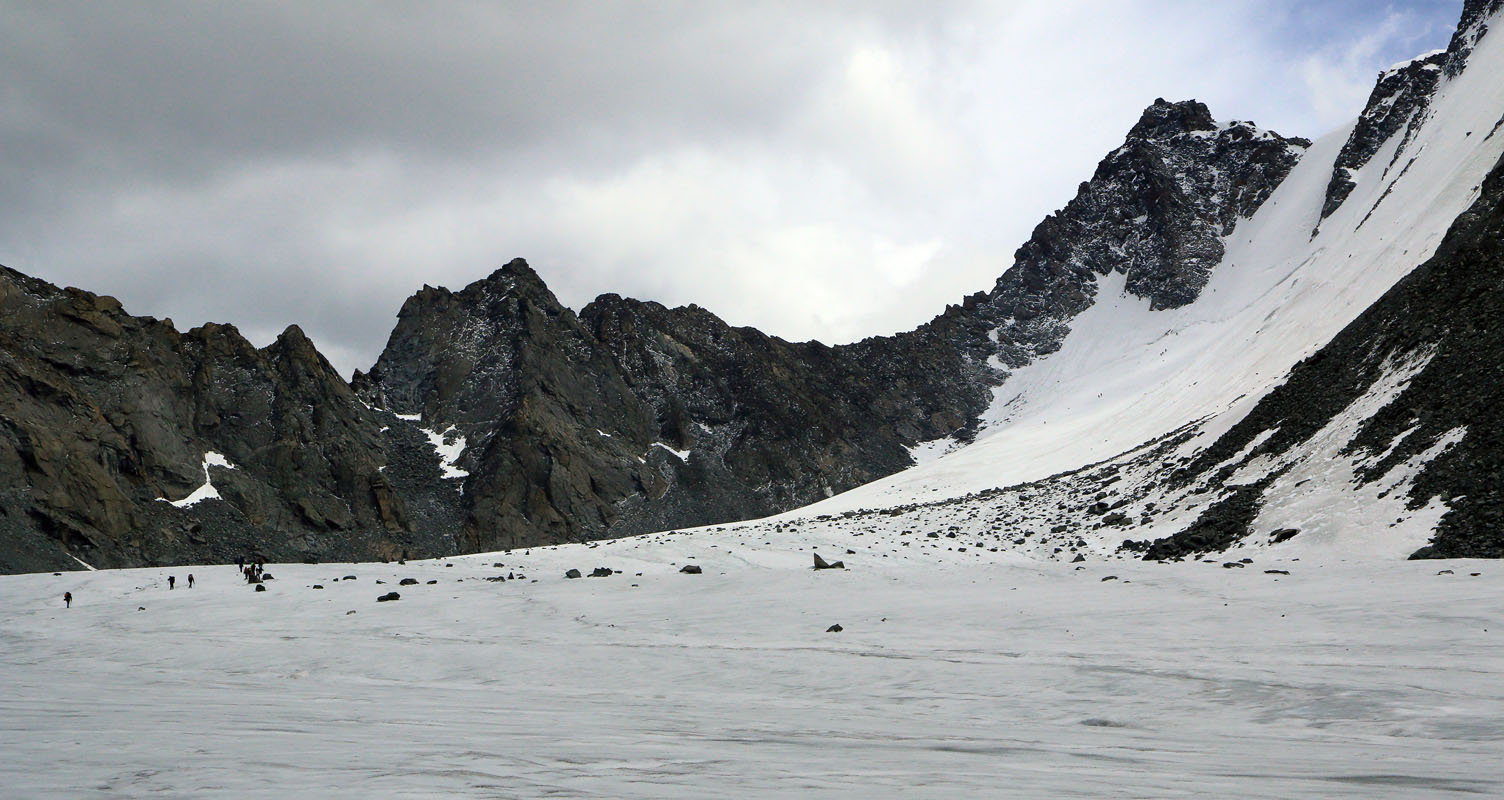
104 416
624 418
631 417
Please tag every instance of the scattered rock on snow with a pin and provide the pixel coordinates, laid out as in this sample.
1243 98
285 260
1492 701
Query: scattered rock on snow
407 582
388 597
574 573
601 572
821 563
691 569
834 628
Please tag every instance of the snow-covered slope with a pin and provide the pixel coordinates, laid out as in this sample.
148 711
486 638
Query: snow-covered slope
1127 375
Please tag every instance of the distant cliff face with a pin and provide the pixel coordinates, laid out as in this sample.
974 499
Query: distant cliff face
106 418
633 417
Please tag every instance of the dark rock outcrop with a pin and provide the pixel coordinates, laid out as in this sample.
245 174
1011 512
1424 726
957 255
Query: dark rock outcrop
105 417
1399 102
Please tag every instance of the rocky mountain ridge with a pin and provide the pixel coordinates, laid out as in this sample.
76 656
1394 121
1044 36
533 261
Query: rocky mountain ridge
573 419
496 417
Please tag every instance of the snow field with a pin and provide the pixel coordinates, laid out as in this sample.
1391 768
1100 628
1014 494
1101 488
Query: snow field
974 676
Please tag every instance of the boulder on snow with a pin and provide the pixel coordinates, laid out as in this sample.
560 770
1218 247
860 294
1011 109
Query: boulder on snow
821 563
408 582
691 569
601 572
260 587
574 573
834 628
389 596
1283 534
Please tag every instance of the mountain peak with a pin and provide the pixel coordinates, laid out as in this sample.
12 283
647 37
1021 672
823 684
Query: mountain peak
1163 119
514 270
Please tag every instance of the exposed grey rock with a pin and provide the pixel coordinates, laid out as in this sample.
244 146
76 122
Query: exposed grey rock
821 563
1399 102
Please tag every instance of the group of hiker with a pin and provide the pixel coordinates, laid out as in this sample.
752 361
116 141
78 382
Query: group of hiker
252 572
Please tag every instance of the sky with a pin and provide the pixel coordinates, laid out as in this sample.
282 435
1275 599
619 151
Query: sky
826 171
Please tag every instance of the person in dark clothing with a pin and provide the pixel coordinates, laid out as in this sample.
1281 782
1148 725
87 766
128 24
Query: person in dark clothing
240 563
171 581
190 580
67 599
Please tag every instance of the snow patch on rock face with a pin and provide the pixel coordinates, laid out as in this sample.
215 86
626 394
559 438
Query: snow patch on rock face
207 491
448 445
682 455
925 452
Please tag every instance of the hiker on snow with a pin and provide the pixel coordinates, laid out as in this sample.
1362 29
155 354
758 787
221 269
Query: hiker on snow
171 581
67 599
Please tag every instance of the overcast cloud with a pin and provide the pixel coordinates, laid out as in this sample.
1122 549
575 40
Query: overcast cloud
819 170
